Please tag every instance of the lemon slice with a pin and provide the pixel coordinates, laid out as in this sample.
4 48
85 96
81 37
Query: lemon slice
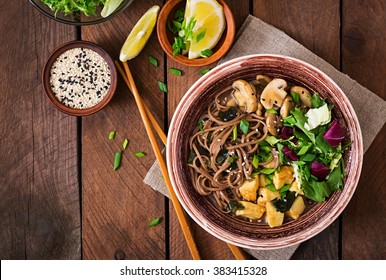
110 7
209 16
138 37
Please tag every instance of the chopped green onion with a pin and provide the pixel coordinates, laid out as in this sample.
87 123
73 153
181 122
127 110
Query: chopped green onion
111 135
125 143
266 171
271 187
175 71
117 160
162 86
271 111
255 161
201 125
244 126
140 154
200 36
203 72
153 60
295 97
235 133
155 222
206 53
233 158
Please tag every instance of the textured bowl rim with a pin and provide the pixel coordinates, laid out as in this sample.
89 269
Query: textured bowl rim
282 242
47 14
46 75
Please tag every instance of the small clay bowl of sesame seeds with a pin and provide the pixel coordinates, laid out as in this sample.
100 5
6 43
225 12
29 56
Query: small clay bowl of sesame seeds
79 78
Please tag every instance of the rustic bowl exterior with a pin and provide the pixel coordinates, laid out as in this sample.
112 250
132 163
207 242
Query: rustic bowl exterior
166 38
185 119
46 78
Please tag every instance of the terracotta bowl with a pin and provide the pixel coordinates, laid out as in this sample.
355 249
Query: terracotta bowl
51 95
166 38
234 230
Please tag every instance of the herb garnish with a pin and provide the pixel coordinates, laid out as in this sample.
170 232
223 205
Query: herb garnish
206 53
200 36
244 126
153 60
117 160
111 135
175 71
162 86
155 222
203 72
235 133
140 154
125 143
255 161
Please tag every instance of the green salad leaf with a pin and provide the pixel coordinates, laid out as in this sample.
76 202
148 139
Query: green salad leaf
69 6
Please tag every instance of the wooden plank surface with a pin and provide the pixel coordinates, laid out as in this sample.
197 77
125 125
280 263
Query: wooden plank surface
315 24
364 59
116 205
39 209
208 246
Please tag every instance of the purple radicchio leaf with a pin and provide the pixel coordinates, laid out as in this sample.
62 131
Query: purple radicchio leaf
319 170
291 155
334 135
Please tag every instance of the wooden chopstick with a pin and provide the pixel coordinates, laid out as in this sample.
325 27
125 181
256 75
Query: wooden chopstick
177 206
237 252
153 121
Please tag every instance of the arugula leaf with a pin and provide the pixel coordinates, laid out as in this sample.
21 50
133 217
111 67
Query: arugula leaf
308 157
317 101
69 6
299 121
295 97
317 191
281 154
335 178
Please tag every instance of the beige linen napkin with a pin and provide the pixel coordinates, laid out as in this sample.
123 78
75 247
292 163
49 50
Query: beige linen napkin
258 37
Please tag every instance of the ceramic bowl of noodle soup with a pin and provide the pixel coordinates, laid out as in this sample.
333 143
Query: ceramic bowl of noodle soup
264 151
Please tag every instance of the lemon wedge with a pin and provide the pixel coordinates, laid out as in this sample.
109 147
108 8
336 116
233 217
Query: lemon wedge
109 7
138 37
210 22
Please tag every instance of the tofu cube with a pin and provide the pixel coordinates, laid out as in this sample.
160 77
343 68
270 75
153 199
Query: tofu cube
284 177
297 208
251 210
248 189
274 217
266 195
295 188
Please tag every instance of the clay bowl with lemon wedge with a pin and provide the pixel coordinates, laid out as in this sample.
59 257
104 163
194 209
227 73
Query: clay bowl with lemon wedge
212 34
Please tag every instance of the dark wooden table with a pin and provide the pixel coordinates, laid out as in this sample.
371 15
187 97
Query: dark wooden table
59 195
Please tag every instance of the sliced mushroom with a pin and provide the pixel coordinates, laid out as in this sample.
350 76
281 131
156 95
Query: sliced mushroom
304 95
288 105
274 94
274 123
261 82
260 108
245 95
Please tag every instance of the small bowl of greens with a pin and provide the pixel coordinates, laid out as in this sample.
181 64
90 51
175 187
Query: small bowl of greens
80 12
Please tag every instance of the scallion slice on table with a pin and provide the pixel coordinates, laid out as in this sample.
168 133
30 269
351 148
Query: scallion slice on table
155 222
117 160
203 72
153 60
163 86
175 71
140 154
112 135
125 143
